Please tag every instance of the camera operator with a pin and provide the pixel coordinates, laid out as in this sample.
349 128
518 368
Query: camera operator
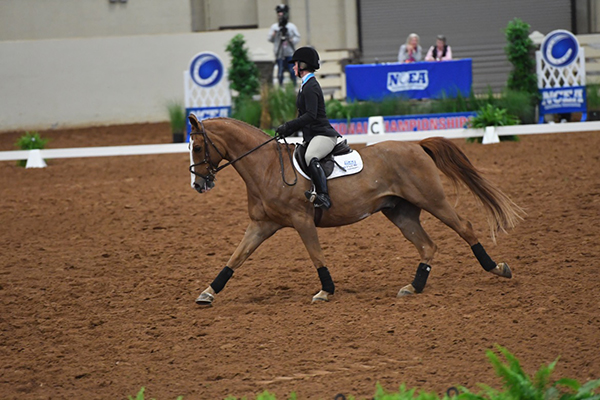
285 36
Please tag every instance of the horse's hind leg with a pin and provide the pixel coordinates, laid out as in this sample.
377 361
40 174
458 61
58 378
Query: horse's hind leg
256 233
406 217
448 215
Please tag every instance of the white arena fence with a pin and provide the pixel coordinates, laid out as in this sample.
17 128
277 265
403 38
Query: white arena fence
111 151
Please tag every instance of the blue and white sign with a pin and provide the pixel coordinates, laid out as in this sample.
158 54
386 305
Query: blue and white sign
560 48
408 80
418 80
563 100
560 65
207 93
206 69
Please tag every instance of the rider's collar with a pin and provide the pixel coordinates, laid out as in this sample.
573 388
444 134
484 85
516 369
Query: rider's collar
306 78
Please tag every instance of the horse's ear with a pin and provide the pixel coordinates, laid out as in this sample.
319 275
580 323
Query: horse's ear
194 122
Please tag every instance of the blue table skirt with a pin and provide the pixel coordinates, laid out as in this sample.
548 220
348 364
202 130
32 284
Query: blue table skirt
420 80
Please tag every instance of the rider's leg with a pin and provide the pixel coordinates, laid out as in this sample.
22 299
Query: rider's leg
318 148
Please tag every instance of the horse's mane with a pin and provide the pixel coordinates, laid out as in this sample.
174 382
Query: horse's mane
239 123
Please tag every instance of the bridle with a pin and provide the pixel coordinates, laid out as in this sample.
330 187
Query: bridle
213 169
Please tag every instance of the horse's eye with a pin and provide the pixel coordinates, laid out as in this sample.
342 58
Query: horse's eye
197 149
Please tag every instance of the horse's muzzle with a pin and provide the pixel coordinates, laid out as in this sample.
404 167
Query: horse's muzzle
204 186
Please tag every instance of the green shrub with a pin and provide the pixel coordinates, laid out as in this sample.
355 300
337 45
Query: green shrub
593 96
519 385
247 110
491 115
520 53
282 104
243 74
177 117
30 141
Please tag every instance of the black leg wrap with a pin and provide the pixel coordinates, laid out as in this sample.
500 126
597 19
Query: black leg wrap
326 281
421 277
221 279
486 261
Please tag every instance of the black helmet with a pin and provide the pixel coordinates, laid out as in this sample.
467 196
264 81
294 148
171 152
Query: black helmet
307 55
282 8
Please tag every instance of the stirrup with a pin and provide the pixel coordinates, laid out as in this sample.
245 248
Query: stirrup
311 194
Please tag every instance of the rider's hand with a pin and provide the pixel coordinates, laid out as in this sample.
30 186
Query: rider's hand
282 130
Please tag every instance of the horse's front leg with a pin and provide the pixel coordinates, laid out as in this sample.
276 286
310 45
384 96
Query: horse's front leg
308 233
256 233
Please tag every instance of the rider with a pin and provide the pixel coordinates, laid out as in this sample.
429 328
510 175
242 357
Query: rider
319 136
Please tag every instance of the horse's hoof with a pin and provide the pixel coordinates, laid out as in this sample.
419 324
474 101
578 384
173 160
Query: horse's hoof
503 270
406 291
321 296
205 299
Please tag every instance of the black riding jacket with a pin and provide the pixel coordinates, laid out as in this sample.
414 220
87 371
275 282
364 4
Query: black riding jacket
312 119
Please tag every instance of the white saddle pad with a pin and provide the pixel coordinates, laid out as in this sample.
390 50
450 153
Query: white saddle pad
351 163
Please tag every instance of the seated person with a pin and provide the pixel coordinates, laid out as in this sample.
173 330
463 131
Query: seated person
411 51
440 52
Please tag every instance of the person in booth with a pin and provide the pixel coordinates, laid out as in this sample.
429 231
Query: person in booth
319 136
410 51
285 36
440 52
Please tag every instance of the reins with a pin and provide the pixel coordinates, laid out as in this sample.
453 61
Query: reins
213 169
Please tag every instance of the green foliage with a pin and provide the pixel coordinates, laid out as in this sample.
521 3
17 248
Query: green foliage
243 73
30 141
140 395
176 116
520 52
593 96
520 386
247 110
490 115
282 104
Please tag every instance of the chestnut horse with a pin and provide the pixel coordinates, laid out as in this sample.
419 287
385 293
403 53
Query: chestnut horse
399 179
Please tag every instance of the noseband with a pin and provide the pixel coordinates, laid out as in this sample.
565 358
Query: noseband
213 169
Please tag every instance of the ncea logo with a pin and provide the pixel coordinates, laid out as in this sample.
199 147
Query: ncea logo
560 48
563 97
206 69
407 80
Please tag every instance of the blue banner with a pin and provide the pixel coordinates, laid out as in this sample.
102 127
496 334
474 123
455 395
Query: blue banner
405 123
420 80
563 100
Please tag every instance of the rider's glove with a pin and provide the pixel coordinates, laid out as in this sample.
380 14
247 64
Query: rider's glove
282 130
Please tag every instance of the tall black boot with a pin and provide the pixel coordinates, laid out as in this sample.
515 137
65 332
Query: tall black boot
317 175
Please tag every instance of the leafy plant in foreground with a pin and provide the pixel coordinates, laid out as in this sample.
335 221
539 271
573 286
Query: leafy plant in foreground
519 385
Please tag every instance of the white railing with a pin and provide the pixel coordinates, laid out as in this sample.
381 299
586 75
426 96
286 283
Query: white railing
171 148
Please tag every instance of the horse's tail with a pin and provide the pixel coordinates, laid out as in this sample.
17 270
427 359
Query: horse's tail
502 212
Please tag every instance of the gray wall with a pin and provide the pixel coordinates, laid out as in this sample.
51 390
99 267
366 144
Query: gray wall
474 29
55 19
105 80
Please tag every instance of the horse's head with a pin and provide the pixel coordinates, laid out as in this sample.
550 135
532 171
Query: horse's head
204 157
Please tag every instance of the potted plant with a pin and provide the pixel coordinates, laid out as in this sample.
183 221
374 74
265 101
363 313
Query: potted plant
178 120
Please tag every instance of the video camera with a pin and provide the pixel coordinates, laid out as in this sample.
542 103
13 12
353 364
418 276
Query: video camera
283 27
283 19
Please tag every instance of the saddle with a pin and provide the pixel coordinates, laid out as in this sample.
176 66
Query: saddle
341 161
